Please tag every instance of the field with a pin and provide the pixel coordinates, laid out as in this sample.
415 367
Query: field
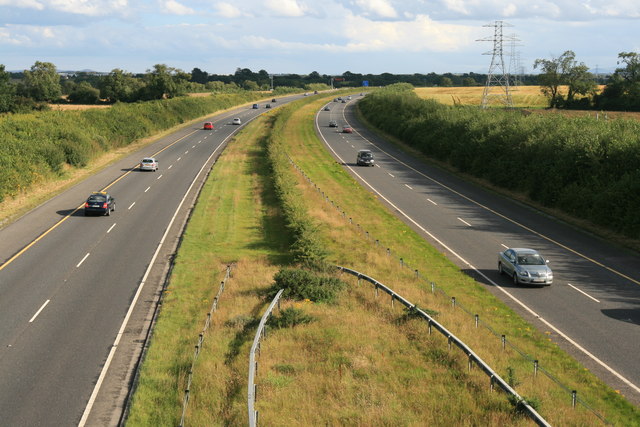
526 97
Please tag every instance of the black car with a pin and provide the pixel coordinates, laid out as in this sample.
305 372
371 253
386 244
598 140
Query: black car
99 203
365 158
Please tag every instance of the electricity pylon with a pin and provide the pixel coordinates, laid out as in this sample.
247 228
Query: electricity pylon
497 86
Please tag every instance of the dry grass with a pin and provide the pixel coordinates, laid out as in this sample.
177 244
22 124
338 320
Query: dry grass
76 107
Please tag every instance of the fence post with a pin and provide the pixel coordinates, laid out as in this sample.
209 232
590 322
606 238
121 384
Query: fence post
453 302
388 252
503 338
377 242
535 368
574 398
401 262
350 220
477 320
417 274
433 288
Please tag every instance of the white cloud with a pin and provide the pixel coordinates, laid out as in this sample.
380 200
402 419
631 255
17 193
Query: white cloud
227 10
78 7
172 7
286 7
381 8
26 4
420 34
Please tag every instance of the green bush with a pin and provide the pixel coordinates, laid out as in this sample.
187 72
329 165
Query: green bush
587 168
290 317
300 284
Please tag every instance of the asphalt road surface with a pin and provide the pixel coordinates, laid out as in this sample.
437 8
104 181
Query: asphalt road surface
593 307
74 290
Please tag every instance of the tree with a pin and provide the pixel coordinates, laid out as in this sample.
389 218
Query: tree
564 70
119 86
623 88
199 76
164 82
42 82
445 82
7 91
250 85
84 93
469 81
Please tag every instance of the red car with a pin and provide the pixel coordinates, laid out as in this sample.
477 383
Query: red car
347 129
208 126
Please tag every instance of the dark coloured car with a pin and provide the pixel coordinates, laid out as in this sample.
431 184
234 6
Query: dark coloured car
273 100
256 106
267 106
344 101
327 108
365 158
333 124
525 266
99 203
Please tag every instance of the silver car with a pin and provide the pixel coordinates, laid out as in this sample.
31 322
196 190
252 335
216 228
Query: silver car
149 164
525 266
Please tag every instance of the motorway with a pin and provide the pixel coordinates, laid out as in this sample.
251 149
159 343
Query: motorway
593 307
72 287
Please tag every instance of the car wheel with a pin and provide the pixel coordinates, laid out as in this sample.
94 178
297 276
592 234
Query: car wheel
515 278
113 208
108 212
500 270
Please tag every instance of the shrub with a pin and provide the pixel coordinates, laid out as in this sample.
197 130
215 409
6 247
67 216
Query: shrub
290 317
300 284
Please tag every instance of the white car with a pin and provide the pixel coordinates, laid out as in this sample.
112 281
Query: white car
149 164
236 121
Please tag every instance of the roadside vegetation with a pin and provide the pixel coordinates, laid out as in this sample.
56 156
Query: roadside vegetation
588 169
45 146
331 358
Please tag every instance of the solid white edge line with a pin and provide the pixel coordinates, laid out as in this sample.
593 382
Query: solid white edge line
111 228
516 300
463 221
583 293
148 188
38 312
129 208
105 368
82 260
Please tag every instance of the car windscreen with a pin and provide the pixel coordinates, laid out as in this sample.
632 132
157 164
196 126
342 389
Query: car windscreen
366 155
97 199
147 161
530 259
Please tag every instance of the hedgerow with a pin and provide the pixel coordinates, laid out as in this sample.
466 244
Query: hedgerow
35 146
587 168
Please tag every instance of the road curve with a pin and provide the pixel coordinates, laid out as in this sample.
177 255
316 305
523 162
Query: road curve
68 282
592 309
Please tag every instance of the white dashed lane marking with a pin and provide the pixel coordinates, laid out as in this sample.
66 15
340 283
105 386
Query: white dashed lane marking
431 201
464 222
408 186
131 205
82 260
111 228
391 175
170 166
583 292
38 312
159 177
147 189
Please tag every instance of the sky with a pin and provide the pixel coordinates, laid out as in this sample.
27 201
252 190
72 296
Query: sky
301 36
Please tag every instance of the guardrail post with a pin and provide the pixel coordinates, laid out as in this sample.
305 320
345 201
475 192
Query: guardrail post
376 286
388 252
470 363
449 341
574 398
477 320
417 274
377 242
256 416
453 302
264 332
367 234
503 338
429 326
392 301
491 383
535 368
255 392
